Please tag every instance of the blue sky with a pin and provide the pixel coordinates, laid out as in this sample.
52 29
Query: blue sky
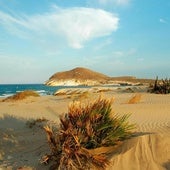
115 37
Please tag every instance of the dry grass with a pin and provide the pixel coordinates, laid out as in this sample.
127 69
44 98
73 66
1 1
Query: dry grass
80 97
35 122
135 99
21 95
83 131
60 94
103 90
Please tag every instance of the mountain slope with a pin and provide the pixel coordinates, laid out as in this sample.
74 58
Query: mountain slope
79 73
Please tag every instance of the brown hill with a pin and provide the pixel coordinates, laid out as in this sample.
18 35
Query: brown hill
84 76
79 73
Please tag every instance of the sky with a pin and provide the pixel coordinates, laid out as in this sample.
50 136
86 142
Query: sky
114 37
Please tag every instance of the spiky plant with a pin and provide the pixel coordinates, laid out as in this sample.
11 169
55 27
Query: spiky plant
85 128
160 86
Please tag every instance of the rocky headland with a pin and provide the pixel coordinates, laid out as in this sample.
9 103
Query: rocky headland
77 76
86 77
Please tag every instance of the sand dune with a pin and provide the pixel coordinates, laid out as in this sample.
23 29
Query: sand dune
148 151
21 147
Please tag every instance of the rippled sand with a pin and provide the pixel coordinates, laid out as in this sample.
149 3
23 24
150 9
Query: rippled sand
22 147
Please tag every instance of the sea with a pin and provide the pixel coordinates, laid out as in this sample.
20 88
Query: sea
7 90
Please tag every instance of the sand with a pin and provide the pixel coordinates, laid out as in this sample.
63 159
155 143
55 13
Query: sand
22 147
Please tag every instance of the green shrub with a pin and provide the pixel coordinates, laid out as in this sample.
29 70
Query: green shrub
83 129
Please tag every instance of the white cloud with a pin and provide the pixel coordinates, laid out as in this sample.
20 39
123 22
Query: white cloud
73 25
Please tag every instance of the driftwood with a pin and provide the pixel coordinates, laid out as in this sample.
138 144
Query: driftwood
160 86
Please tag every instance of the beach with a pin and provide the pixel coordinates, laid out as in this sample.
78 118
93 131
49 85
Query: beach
23 144
84 85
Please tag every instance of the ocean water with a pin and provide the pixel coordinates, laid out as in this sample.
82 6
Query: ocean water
11 89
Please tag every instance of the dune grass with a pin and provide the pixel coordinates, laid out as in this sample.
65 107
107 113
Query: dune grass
21 95
83 129
80 97
135 99
34 122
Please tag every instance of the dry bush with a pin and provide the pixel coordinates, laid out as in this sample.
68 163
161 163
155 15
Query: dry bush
21 95
82 96
83 131
135 99
160 86
79 97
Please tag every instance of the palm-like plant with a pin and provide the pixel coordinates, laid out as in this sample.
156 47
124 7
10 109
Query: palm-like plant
85 128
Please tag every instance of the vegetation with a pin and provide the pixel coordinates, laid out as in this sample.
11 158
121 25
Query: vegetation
82 132
160 86
39 122
80 97
21 95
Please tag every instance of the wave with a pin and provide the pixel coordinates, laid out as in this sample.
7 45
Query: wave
8 90
41 91
6 95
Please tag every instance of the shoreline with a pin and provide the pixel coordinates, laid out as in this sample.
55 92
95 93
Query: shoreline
11 89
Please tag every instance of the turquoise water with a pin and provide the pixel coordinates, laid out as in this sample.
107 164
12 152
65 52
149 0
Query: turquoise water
11 89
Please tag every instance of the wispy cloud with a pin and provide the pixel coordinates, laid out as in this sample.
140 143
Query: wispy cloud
123 2
129 52
118 54
116 2
103 44
72 25
163 21
140 59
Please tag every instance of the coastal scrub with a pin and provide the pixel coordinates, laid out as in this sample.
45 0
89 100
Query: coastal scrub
83 131
160 86
21 95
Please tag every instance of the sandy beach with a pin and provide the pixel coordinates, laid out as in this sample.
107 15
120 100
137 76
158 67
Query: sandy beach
56 52
22 146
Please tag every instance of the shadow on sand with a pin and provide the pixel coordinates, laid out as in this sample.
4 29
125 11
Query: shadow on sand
166 165
21 146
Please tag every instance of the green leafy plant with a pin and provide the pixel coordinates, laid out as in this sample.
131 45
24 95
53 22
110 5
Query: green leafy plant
83 130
